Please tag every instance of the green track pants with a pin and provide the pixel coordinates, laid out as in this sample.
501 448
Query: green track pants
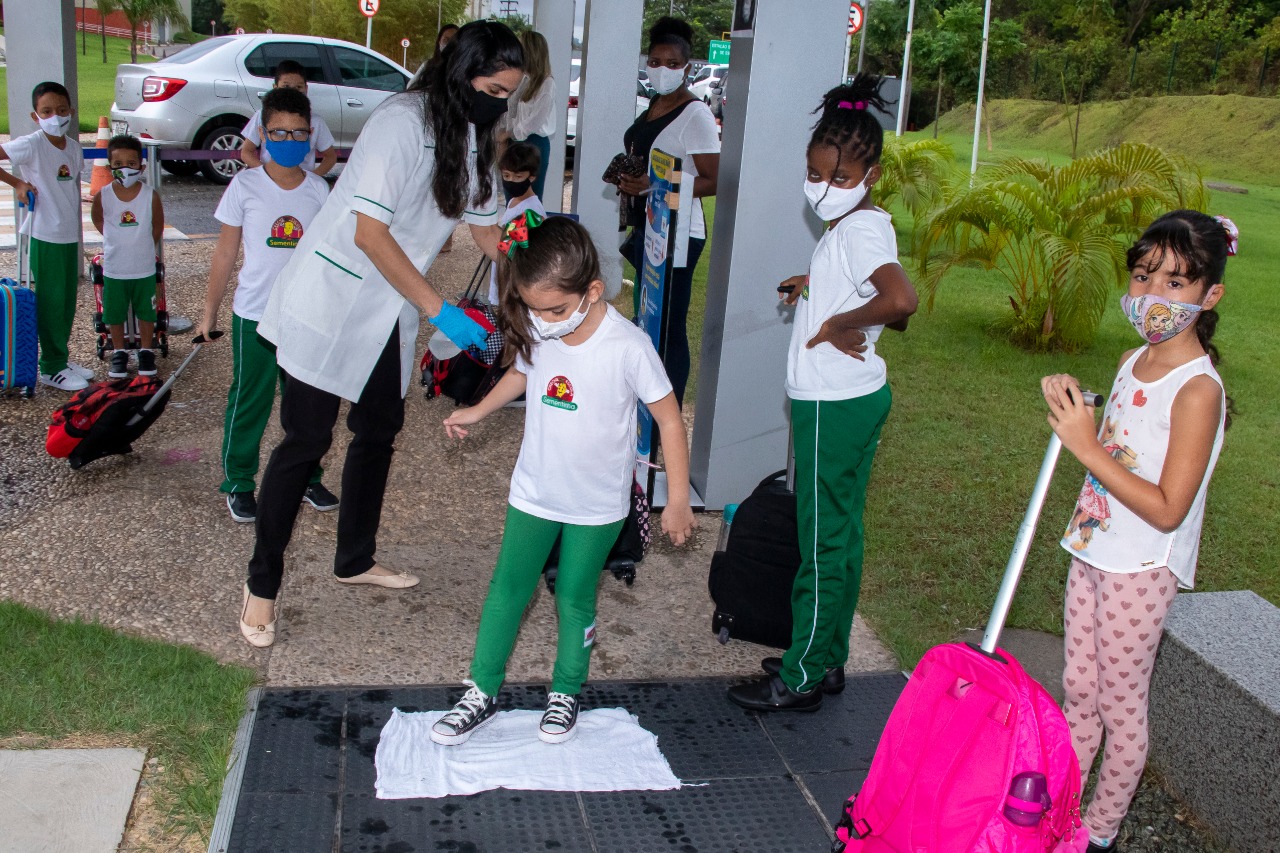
835 442
55 271
526 543
254 378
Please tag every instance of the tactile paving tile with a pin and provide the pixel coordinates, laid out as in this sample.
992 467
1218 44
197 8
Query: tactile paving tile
271 823
701 734
296 742
832 789
726 816
516 821
844 732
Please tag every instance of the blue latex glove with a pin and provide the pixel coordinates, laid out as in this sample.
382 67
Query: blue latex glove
459 328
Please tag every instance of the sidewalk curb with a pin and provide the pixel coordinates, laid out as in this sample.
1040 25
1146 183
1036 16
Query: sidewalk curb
225 818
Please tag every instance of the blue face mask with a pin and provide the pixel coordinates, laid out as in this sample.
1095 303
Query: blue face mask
288 153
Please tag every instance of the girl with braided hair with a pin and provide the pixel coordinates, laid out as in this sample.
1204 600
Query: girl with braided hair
839 394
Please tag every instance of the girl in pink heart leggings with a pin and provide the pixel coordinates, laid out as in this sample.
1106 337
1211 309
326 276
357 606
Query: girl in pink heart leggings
1135 533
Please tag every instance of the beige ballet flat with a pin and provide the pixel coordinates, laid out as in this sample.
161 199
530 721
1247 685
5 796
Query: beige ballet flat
260 636
400 580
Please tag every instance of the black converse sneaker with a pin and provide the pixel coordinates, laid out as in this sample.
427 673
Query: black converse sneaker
558 719
473 710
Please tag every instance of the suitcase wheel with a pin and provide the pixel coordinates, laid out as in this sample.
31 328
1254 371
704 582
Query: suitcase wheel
623 570
28 391
164 347
102 349
723 636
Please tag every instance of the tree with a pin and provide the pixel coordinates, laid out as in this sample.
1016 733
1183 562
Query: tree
951 47
914 174
516 23
139 12
1057 235
710 19
105 8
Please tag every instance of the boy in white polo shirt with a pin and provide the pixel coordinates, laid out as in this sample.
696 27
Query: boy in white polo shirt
51 163
266 209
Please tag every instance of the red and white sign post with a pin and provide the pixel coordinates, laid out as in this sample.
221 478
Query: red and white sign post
368 8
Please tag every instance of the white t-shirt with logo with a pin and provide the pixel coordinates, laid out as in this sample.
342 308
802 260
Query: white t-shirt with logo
55 173
272 220
128 248
839 281
578 456
509 213
321 139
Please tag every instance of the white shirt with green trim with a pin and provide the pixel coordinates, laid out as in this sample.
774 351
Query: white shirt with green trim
331 311
55 173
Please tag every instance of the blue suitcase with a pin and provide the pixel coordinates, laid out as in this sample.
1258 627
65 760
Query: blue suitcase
18 342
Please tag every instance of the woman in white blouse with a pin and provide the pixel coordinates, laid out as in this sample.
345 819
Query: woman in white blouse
532 115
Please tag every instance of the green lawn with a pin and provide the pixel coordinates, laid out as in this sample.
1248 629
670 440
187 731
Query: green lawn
181 706
96 84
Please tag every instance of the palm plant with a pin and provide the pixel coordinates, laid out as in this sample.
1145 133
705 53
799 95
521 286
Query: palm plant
140 11
1057 235
105 8
914 174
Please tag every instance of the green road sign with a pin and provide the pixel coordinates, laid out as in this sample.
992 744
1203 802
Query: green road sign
718 52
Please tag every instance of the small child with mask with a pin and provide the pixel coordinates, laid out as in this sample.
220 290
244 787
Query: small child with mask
519 166
130 217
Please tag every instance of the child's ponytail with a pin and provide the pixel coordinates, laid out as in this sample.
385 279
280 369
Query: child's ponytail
846 123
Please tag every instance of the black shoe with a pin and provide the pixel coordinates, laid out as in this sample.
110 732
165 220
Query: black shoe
243 506
1098 848
146 362
119 365
559 718
473 710
320 497
832 682
770 694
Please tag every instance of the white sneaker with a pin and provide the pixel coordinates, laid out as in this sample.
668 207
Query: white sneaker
64 380
80 370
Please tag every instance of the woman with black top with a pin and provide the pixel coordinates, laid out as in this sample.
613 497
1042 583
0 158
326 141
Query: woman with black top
682 126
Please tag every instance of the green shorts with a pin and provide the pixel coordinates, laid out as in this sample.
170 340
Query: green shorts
118 294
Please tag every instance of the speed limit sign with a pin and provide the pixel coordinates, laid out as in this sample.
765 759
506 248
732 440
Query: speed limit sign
404 42
368 8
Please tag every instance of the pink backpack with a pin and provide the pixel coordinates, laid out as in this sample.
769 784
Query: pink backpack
962 729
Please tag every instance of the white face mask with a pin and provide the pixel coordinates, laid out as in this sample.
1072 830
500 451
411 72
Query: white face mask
126 176
55 125
666 80
833 202
550 331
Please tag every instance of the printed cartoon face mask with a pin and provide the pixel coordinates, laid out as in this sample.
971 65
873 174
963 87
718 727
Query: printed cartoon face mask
833 202
1157 319
550 331
126 176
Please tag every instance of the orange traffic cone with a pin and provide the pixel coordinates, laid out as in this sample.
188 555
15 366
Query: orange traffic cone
101 171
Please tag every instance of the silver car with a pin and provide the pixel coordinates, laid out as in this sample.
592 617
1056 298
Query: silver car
201 97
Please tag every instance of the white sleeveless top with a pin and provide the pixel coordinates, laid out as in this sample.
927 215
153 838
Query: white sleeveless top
1135 430
128 250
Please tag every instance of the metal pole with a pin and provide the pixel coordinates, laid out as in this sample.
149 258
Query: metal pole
368 34
84 29
906 71
862 43
982 79
1173 63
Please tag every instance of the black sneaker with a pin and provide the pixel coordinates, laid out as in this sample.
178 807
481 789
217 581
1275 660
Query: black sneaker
1098 848
146 362
119 364
243 506
559 718
320 497
473 710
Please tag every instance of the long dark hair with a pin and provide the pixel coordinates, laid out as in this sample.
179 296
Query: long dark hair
845 121
480 49
560 255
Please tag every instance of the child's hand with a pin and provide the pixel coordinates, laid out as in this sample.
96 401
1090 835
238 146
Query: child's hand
1069 416
792 288
22 188
849 340
678 523
453 425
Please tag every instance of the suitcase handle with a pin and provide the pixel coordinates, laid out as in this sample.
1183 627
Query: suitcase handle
772 477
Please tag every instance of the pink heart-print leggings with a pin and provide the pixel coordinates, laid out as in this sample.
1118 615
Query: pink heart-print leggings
1113 627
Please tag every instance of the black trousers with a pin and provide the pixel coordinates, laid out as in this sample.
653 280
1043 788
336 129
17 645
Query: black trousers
308 416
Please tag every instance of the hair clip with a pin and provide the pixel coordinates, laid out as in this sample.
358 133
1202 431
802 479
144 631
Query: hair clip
1233 234
844 105
517 232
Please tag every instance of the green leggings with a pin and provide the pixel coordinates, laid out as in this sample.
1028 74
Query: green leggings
526 544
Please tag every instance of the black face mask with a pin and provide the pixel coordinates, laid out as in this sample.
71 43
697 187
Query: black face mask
485 108
515 189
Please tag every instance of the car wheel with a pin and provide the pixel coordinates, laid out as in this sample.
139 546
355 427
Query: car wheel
222 139
181 168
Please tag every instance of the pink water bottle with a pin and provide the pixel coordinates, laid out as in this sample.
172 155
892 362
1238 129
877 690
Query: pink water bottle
1028 799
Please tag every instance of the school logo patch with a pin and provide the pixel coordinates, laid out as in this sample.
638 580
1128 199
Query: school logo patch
560 394
64 174
285 233
127 219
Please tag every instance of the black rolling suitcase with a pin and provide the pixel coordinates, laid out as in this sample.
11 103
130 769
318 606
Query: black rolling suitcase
752 576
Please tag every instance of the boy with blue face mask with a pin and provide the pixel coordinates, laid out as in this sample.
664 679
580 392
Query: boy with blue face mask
130 217
51 161
265 209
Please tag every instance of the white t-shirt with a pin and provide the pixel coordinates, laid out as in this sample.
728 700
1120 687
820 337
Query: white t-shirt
55 173
509 213
321 139
578 456
128 248
534 116
839 281
692 132
331 310
272 221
